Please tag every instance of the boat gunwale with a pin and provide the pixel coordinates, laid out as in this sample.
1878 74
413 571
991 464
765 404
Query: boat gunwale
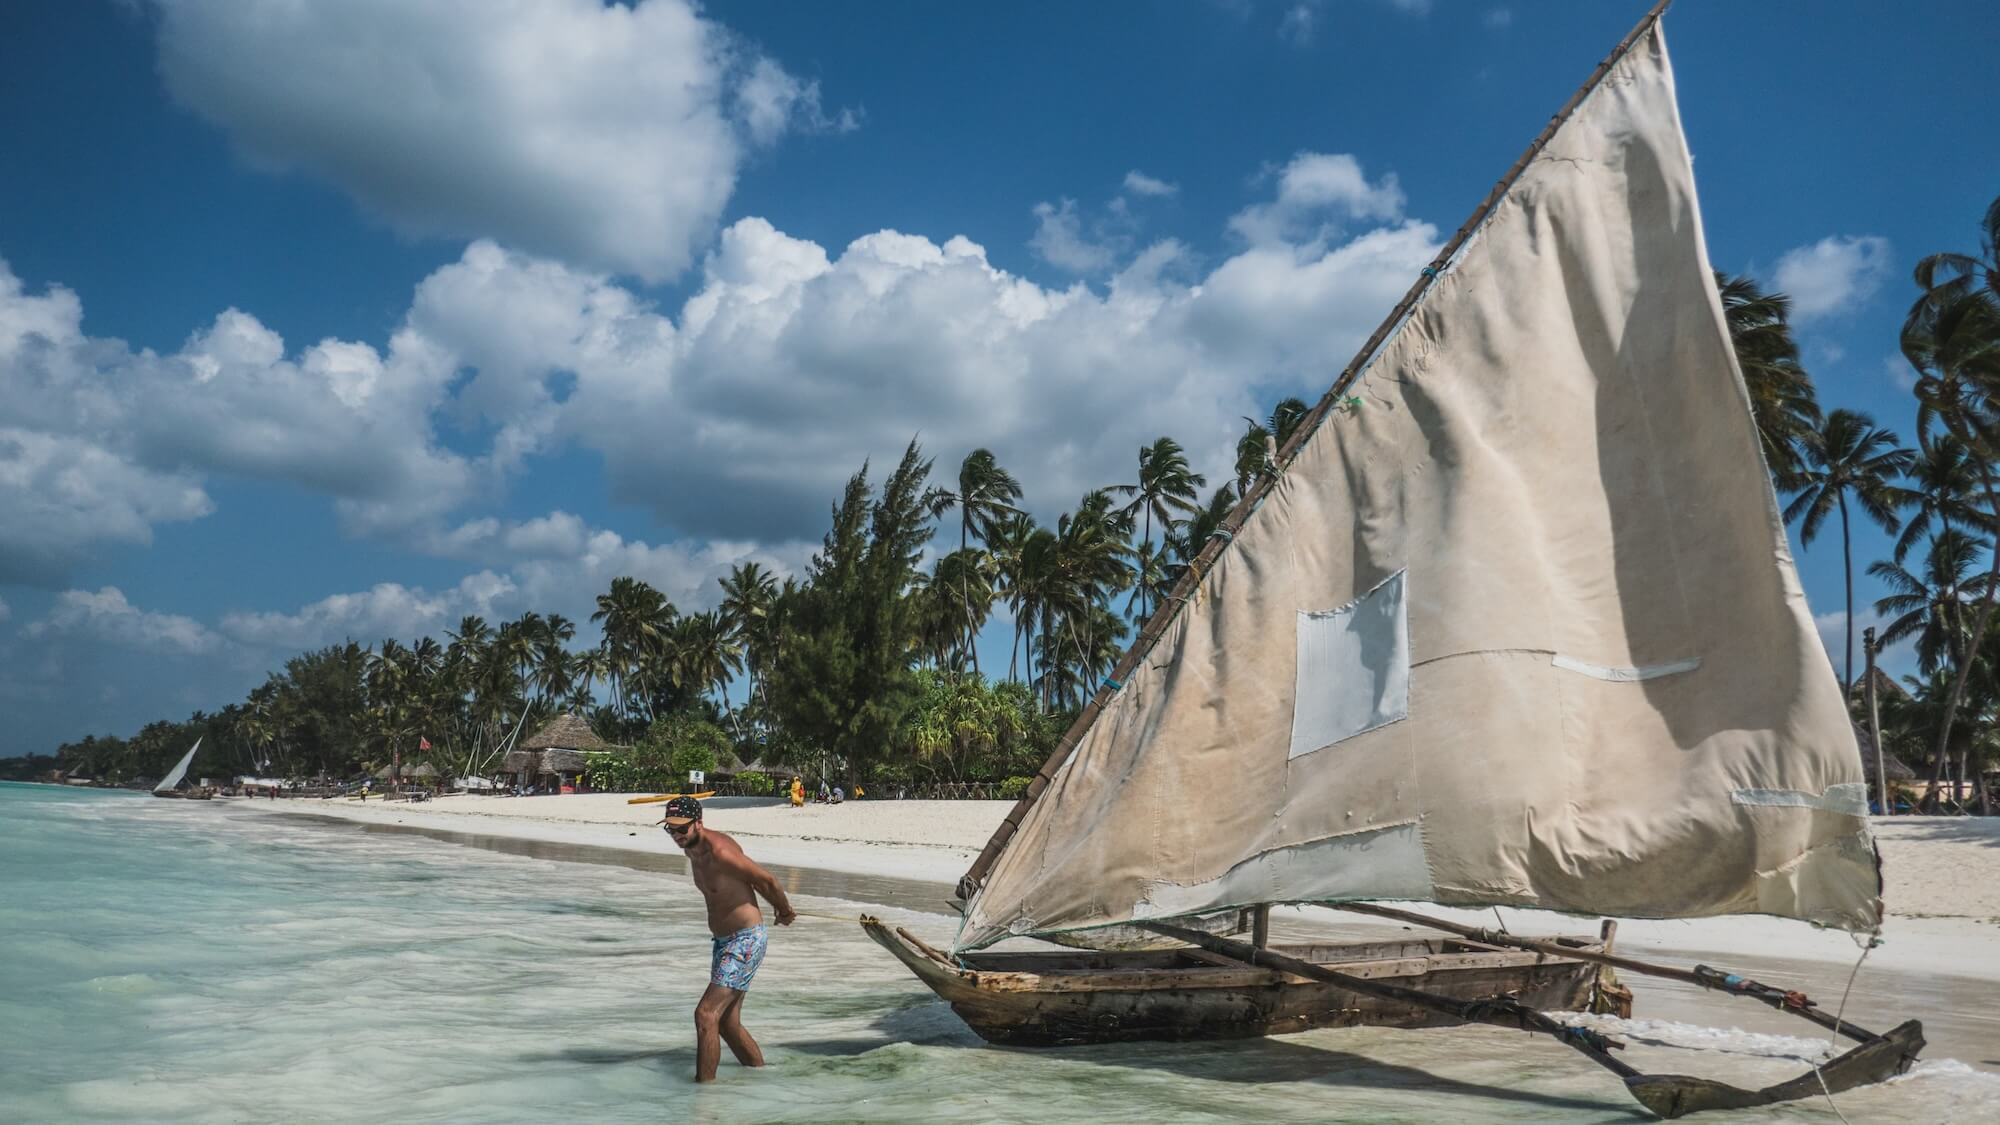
1204 977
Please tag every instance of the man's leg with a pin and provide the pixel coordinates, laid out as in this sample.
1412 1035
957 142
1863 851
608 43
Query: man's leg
707 1028
733 1033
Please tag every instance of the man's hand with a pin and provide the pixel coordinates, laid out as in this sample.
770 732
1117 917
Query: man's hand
786 915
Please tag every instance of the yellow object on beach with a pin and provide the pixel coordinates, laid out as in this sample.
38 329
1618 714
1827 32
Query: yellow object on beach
669 797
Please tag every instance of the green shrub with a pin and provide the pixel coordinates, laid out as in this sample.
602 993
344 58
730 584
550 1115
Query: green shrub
661 761
756 784
1014 788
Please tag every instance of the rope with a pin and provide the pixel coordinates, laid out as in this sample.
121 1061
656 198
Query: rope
1833 1040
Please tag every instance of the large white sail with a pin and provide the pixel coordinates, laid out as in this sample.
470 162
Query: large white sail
1519 624
179 772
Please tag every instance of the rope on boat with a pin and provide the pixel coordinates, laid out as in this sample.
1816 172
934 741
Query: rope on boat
1833 1040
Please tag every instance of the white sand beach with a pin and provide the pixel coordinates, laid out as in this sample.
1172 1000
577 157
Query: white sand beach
1943 872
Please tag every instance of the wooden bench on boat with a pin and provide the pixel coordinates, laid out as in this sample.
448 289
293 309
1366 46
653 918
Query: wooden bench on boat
1063 997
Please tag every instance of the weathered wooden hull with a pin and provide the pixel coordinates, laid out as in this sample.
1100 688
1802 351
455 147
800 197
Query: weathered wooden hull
186 794
1061 998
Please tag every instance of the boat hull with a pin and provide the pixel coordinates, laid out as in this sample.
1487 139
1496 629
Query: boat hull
185 794
1058 998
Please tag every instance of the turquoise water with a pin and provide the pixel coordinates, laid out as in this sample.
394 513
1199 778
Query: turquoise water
170 961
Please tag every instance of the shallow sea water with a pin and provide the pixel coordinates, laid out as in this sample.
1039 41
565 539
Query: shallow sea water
172 961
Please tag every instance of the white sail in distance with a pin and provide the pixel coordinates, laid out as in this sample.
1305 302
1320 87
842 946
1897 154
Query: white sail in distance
1518 625
179 772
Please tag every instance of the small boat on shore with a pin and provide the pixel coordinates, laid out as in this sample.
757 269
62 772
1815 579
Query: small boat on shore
170 785
1060 998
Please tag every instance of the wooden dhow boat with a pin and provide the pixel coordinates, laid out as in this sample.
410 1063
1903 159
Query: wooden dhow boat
170 785
1512 621
1070 997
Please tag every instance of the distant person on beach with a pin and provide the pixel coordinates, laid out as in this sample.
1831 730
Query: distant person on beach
730 882
798 793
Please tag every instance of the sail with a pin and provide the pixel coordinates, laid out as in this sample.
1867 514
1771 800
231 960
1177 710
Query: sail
1518 625
179 772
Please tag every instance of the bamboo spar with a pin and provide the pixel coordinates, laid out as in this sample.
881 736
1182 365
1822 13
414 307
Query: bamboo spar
1668 1095
1702 976
1198 568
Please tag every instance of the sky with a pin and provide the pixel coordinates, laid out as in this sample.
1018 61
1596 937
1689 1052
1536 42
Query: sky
341 320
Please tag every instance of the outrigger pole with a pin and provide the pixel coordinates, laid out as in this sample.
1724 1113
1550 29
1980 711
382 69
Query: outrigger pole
1797 1003
1668 1095
1198 567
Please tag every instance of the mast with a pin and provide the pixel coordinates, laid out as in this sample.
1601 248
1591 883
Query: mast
1163 616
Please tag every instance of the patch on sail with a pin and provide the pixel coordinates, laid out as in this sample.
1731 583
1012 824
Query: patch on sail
1625 675
1850 797
1354 668
1373 863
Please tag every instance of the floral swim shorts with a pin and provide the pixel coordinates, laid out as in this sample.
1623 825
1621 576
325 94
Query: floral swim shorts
736 958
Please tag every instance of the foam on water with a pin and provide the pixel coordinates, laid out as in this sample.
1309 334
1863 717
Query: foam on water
174 961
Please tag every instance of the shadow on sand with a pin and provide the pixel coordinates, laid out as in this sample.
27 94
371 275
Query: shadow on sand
1244 1061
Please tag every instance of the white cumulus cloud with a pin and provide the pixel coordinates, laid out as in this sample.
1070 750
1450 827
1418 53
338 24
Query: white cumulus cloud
106 616
1318 195
1832 275
102 443
388 609
608 135
1139 183
733 418
1060 240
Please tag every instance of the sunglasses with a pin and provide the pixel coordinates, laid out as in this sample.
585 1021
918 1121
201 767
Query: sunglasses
677 829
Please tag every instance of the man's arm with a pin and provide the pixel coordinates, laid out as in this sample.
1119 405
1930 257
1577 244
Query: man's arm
764 884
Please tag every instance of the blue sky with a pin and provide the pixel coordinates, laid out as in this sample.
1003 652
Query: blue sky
330 320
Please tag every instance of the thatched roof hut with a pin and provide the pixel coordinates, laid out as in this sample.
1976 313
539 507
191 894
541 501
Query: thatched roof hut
567 731
1891 765
521 761
559 760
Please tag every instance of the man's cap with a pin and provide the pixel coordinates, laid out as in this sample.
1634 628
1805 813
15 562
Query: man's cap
680 810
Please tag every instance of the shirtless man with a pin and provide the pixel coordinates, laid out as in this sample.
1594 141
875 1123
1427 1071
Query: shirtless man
730 882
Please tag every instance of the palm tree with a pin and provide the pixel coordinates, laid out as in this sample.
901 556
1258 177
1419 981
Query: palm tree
1941 495
707 653
1032 572
1781 393
1257 449
985 497
1006 544
1166 485
1952 338
1931 606
1151 565
1848 457
1947 278
961 595
635 618
587 668
1193 534
748 595
1083 566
